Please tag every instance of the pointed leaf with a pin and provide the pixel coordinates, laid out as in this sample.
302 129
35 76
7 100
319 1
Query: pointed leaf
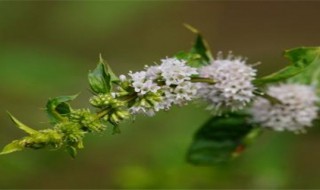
199 54
12 147
100 78
220 139
113 76
22 126
200 46
57 108
301 59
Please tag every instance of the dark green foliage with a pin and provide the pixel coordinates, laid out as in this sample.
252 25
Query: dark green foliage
220 139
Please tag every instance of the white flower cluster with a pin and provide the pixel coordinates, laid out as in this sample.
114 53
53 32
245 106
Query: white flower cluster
161 86
296 112
233 87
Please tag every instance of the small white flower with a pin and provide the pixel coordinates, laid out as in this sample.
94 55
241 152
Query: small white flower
122 78
297 111
175 71
142 84
233 87
170 79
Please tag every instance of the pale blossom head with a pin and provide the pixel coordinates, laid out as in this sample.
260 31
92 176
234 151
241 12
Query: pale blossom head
296 111
232 88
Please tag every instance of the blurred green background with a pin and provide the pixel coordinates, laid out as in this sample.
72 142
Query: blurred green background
47 48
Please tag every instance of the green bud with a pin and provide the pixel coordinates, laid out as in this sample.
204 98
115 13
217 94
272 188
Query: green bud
123 114
101 100
87 120
114 118
72 134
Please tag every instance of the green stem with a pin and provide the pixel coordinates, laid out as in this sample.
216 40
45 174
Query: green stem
271 99
102 113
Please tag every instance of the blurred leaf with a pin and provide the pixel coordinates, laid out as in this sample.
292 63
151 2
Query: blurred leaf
72 151
301 59
12 147
310 75
58 107
192 59
199 54
220 139
22 126
100 79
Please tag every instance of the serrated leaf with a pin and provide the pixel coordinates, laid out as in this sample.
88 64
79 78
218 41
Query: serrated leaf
300 58
22 126
57 108
220 139
12 147
100 79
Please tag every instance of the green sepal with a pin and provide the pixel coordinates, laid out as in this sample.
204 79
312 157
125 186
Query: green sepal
12 147
220 139
57 108
22 126
300 58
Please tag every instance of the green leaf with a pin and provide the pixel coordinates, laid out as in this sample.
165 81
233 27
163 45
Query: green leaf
221 139
101 78
301 59
192 59
72 151
311 75
199 54
22 126
57 108
12 147
113 76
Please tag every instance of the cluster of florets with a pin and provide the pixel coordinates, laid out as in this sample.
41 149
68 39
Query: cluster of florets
173 82
160 86
296 110
233 88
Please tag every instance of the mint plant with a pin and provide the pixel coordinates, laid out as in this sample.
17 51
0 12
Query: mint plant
241 104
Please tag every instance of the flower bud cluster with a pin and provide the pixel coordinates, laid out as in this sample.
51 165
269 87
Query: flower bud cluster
233 88
72 133
117 110
87 120
297 110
